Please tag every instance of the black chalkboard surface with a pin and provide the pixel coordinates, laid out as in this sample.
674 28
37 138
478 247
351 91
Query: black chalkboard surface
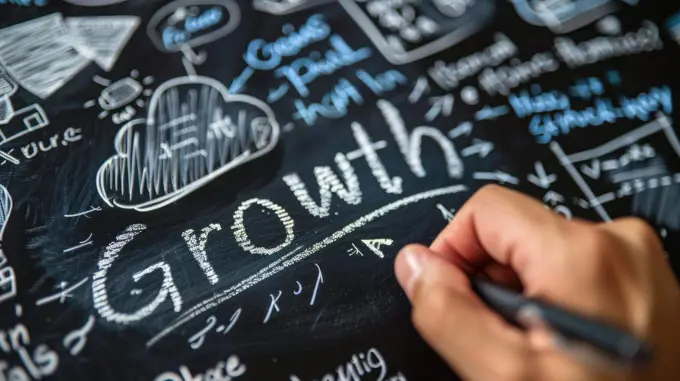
198 190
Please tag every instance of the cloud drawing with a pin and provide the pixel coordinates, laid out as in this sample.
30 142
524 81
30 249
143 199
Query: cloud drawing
195 131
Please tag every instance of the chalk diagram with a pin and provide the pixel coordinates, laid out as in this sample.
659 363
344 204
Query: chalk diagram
118 97
33 116
627 166
406 31
183 25
195 131
282 7
563 16
43 54
8 285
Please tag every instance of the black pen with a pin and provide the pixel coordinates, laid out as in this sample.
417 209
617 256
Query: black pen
616 344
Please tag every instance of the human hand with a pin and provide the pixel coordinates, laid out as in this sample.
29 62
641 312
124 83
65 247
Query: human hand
614 272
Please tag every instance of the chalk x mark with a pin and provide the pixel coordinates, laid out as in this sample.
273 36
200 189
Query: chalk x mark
61 296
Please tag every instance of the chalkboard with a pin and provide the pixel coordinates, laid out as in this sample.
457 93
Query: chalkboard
198 190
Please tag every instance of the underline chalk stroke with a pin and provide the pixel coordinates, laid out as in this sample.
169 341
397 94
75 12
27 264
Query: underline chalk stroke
295 256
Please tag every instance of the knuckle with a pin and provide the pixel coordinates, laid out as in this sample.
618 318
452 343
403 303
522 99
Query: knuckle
597 246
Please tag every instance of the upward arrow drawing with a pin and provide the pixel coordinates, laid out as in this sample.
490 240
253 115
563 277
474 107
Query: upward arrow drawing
375 244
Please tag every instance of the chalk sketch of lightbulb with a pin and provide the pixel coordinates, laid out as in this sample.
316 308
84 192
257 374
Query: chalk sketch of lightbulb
119 98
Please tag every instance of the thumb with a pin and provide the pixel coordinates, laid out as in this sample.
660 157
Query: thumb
471 338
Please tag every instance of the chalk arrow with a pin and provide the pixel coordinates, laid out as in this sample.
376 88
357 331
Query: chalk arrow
375 244
462 129
499 176
491 113
553 198
446 213
239 82
480 147
541 179
440 105
593 171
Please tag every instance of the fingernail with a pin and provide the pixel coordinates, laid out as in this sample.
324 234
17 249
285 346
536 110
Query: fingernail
409 269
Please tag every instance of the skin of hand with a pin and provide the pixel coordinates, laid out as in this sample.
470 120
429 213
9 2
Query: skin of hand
614 272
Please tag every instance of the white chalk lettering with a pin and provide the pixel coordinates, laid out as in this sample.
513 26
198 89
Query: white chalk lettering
197 248
449 75
605 47
409 145
505 78
100 295
241 235
223 371
329 183
387 183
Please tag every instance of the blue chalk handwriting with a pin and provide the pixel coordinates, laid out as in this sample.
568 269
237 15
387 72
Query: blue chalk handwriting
382 82
262 55
25 3
303 71
525 103
333 105
641 107
175 35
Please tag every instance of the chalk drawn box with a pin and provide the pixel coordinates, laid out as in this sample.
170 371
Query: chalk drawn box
411 30
628 169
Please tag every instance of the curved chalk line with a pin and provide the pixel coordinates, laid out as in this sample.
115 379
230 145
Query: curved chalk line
292 258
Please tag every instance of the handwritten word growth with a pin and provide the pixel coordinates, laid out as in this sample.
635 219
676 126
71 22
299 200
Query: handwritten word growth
343 183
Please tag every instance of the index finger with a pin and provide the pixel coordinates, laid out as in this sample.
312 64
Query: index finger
502 225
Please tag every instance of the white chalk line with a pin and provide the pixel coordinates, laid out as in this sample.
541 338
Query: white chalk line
622 141
564 160
638 174
286 260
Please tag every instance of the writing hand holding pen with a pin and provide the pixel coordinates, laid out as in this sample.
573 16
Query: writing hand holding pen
611 272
